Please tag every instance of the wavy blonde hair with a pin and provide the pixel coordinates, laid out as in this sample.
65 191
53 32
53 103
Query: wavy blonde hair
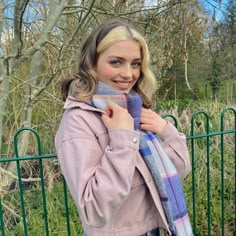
84 83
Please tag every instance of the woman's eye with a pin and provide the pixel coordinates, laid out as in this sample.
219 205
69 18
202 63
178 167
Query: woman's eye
136 64
115 62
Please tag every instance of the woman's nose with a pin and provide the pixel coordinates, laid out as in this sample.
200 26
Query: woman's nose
126 72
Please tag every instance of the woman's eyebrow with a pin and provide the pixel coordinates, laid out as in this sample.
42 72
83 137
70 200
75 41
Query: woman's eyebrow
122 58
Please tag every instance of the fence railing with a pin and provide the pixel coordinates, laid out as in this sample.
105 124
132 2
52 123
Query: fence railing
210 189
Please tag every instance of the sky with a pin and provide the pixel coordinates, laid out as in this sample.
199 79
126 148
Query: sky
209 5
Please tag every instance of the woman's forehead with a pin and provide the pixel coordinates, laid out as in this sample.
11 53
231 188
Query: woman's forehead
124 48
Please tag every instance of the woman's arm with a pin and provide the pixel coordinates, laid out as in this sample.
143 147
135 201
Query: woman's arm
99 180
172 141
174 144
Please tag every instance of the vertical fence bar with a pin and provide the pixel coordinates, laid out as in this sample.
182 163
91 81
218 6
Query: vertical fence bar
208 178
20 184
234 170
1 219
67 208
222 169
42 184
193 177
235 176
208 171
44 197
193 187
222 174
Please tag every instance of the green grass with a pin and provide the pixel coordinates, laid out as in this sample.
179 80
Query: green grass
35 214
202 185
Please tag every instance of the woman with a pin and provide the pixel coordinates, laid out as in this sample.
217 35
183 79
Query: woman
115 153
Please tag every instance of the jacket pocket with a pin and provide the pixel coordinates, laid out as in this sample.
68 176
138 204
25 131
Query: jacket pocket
138 180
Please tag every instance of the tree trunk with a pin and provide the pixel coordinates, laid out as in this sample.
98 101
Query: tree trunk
8 66
4 90
186 66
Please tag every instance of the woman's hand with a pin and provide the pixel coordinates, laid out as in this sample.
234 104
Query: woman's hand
151 121
117 117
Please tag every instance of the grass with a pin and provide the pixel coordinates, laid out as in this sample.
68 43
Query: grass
56 213
208 191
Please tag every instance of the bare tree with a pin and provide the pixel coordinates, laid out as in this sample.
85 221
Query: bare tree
35 39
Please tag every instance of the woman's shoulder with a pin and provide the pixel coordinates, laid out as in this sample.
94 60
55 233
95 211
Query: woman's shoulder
81 120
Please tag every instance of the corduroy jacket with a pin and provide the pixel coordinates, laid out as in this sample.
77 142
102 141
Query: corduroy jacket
108 179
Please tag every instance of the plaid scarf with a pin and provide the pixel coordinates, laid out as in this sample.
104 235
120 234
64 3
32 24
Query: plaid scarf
162 169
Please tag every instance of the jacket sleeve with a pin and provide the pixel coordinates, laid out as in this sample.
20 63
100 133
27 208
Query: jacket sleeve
99 181
174 144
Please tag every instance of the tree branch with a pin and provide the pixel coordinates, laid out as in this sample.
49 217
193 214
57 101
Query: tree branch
53 16
81 22
19 9
1 22
12 175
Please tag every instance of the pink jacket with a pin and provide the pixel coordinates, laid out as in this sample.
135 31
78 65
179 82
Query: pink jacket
109 182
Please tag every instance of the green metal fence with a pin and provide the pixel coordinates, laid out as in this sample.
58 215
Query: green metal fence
213 153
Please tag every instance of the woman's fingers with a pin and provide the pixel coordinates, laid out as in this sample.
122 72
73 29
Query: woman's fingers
151 121
117 117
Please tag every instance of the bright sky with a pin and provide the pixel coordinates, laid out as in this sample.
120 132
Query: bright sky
219 9
209 5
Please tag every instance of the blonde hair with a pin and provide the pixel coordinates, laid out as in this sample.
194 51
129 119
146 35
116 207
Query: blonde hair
85 82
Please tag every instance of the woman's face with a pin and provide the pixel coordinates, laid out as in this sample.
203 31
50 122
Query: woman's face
119 66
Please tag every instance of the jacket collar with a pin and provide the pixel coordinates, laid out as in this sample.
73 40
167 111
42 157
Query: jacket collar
72 102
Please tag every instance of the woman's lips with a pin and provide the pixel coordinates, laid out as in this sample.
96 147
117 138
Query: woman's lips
123 84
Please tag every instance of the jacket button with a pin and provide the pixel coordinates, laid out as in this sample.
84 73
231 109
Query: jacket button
135 140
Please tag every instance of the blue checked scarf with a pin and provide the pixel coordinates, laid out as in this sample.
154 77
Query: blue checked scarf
163 171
